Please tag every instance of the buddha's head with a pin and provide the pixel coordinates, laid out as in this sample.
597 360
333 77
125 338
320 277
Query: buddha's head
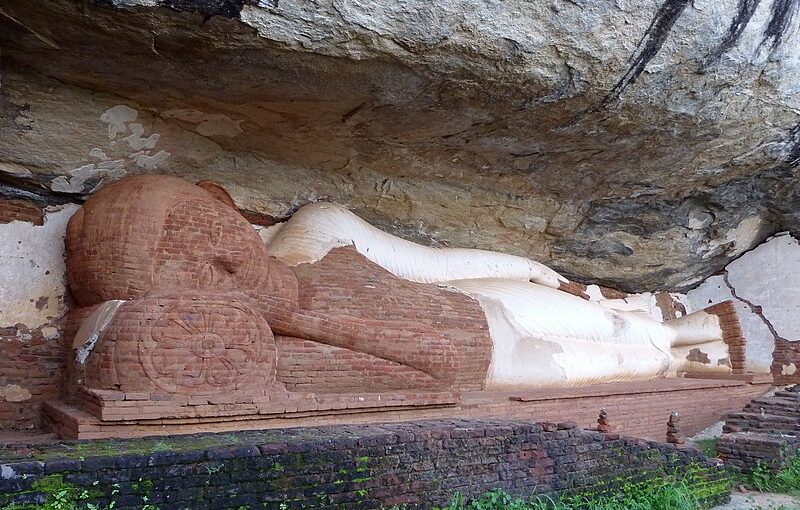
158 233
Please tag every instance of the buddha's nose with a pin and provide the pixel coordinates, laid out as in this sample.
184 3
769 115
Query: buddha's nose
231 262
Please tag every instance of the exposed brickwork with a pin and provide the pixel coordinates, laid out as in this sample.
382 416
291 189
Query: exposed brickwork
785 356
35 363
346 281
765 431
638 409
419 464
574 288
731 333
777 414
670 308
20 210
745 451
194 273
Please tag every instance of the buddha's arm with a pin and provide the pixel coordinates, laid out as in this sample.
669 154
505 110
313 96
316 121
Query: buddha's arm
412 344
317 228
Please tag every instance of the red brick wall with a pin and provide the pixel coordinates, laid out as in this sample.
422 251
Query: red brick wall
731 333
35 363
784 355
350 284
27 359
638 409
20 210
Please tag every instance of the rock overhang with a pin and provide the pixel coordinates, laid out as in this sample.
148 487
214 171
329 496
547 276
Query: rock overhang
641 145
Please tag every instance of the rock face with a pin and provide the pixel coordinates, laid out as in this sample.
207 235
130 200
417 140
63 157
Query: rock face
639 144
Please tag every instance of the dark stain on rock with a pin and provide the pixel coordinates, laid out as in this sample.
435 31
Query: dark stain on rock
782 13
41 303
34 189
208 8
792 157
698 356
654 37
744 13
781 16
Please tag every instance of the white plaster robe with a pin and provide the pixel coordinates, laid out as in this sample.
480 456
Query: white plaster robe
541 336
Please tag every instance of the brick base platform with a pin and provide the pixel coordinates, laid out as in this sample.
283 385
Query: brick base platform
638 409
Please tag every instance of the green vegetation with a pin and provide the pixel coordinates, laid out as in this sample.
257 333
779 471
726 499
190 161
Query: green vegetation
688 491
784 481
708 446
142 446
59 495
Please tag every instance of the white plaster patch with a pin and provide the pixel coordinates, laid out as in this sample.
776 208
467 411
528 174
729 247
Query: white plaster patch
207 124
92 329
117 117
148 162
759 341
682 300
50 332
740 238
136 141
789 369
98 153
77 177
699 220
769 277
32 270
317 228
14 393
745 234
594 293
267 233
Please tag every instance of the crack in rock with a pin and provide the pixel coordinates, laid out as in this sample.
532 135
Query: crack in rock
756 309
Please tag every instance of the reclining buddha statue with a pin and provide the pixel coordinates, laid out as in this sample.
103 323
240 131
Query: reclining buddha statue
178 294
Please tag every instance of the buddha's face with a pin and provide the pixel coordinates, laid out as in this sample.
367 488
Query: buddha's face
207 245
157 233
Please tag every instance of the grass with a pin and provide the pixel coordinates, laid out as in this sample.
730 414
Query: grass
708 446
674 497
688 491
784 481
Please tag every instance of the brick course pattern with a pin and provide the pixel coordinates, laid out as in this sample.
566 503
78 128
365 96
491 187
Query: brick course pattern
732 333
209 313
786 354
745 451
20 210
637 409
29 360
766 431
419 464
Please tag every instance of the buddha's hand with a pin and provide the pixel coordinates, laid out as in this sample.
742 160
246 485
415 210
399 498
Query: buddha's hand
543 275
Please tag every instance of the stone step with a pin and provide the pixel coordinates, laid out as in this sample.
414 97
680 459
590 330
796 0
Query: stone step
777 401
764 417
756 408
787 394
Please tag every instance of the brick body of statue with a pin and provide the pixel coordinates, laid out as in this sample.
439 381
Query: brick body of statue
179 294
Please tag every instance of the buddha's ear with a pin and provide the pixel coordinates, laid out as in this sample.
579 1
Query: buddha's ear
218 192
